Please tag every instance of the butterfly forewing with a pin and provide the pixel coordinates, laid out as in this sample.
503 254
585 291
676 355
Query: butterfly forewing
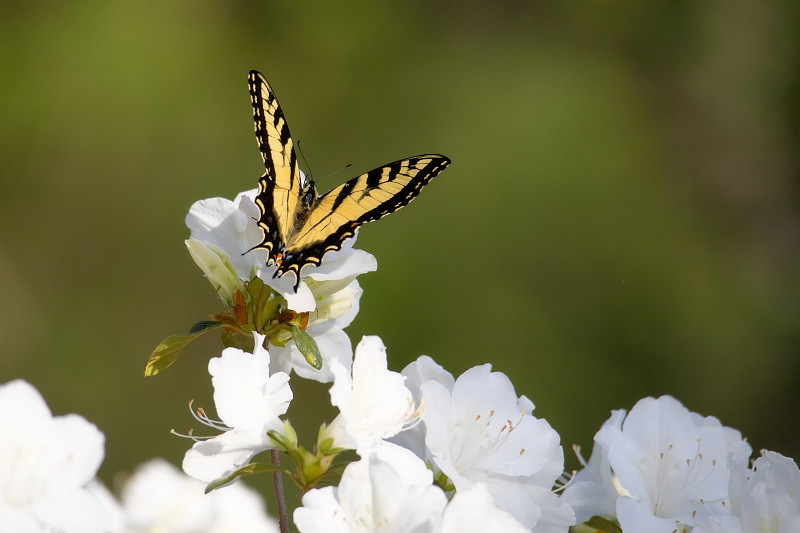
280 189
300 228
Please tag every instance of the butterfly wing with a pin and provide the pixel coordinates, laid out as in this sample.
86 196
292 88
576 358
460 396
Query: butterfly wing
368 197
282 191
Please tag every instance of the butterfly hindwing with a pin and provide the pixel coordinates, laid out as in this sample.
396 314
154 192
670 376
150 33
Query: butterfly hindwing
300 227
281 188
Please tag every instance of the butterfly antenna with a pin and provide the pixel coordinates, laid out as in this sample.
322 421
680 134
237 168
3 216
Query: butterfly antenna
348 165
305 161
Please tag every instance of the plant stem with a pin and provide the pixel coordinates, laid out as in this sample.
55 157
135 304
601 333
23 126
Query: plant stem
280 497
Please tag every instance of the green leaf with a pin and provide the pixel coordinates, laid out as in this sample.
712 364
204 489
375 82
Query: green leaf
308 347
238 339
167 352
204 325
332 475
247 470
254 287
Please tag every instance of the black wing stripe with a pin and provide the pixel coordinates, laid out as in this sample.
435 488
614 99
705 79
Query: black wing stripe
260 121
343 193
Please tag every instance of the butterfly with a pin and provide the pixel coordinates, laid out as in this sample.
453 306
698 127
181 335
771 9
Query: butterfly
300 226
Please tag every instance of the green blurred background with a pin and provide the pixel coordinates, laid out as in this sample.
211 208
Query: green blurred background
621 218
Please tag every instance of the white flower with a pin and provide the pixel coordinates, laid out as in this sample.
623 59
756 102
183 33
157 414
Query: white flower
768 497
765 498
474 509
374 403
669 464
249 402
47 468
158 497
223 234
477 430
388 491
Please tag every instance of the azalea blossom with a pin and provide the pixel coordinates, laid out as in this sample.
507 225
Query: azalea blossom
223 236
158 497
764 498
668 466
249 402
390 490
492 438
48 466
374 402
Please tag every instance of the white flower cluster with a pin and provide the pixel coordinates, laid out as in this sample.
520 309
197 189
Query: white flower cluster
658 468
437 454
662 468
489 446
48 468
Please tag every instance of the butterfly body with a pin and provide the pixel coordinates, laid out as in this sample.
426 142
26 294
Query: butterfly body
300 226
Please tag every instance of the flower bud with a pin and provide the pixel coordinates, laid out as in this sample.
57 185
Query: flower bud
217 267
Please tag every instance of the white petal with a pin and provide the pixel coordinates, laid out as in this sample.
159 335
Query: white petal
336 309
720 524
158 496
534 506
300 301
637 516
78 456
210 459
220 223
246 396
239 509
21 403
474 509
347 263
426 369
79 511
205 216
321 513
391 489
374 403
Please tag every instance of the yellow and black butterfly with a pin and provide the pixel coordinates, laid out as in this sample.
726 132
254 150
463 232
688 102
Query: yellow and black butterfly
300 226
